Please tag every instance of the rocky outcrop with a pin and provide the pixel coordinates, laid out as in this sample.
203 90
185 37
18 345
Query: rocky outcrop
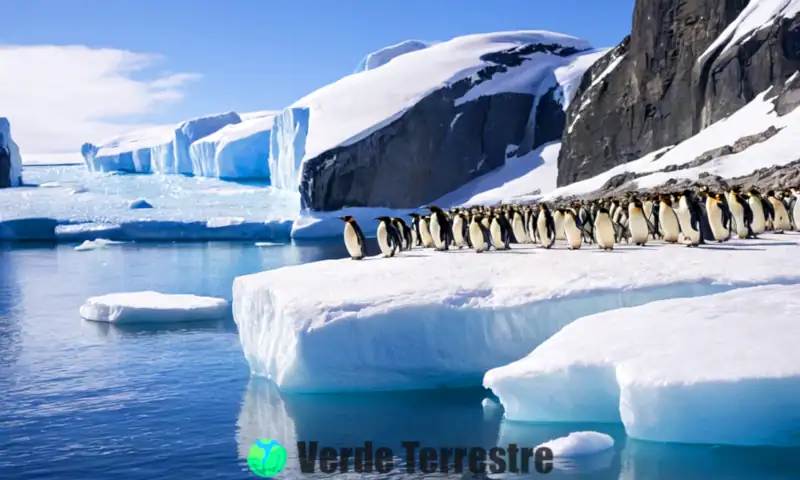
439 144
667 87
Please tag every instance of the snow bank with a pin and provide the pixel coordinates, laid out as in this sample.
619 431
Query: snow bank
15 172
236 151
385 55
428 319
722 369
756 15
152 307
569 76
161 149
578 444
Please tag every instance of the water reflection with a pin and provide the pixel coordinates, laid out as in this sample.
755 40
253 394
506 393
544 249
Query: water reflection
10 293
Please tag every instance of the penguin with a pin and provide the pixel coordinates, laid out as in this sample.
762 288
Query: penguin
415 233
558 221
572 230
504 219
587 225
499 231
759 223
440 228
604 229
518 226
741 213
478 234
668 220
689 219
717 217
388 238
638 223
545 227
780 222
795 208
425 232
404 232
354 238
531 225
460 227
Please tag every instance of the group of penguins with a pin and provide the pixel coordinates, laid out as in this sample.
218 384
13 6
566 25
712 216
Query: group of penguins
689 217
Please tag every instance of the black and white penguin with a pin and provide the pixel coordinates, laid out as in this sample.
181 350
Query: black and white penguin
689 217
586 223
741 213
501 236
604 233
558 221
404 232
388 238
759 223
718 218
794 208
668 220
780 219
531 224
425 231
572 230
518 226
415 233
460 228
441 231
545 227
354 239
478 234
637 222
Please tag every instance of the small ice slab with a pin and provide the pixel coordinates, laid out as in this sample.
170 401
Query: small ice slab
578 444
721 369
153 307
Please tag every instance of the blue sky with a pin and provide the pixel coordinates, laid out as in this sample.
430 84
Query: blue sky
263 54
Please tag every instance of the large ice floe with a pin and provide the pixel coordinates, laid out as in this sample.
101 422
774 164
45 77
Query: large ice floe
153 307
7 142
236 151
721 369
161 149
426 319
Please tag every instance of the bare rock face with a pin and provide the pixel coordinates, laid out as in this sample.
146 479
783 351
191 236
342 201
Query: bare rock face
659 93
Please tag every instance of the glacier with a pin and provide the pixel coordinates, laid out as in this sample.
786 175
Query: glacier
427 319
7 141
236 151
383 56
161 149
721 369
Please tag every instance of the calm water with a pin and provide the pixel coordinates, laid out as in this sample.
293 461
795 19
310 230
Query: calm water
87 401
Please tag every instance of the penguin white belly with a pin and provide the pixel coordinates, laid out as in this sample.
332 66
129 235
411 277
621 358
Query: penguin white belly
519 230
796 214
477 238
558 220
531 228
668 220
759 221
541 229
436 233
351 242
425 233
648 209
604 232
737 212
573 233
781 222
458 232
691 236
638 227
383 241
715 220
497 235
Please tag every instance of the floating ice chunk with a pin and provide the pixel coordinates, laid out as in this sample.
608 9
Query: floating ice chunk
722 369
268 244
427 319
140 203
153 307
578 444
94 244
221 222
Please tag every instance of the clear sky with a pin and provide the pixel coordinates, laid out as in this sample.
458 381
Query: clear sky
240 55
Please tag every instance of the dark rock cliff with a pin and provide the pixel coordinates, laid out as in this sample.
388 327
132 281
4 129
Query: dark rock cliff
438 145
662 92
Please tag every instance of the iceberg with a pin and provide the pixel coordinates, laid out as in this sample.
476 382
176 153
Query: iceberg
385 55
426 319
721 369
236 151
15 167
152 307
162 149
287 147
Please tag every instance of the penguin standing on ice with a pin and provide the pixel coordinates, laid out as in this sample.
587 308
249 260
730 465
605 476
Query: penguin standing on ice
501 236
604 229
531 224
416 238
441 230
388 238
780 219
754 200
354 238
690 217
794 208
518 226
478 234
572 230
425 231
742 213
404 231
637 222
460 230
717 219
668 220
558 221
545 227
586 223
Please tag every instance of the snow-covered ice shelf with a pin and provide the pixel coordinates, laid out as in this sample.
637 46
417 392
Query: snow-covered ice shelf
153 307
429 319
721 369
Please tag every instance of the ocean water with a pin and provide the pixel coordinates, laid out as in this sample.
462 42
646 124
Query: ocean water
88 401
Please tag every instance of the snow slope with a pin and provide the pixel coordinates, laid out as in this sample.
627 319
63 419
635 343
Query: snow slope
353 107
429 319
383 56
756 15
161 149
722 369
236 151
16 160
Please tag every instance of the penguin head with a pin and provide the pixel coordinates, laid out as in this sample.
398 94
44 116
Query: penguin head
383 219
433 208
771 193
347 218
413 215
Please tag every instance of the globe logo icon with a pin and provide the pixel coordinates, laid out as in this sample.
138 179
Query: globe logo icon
266 458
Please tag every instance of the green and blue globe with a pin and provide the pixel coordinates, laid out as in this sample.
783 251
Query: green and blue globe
266 458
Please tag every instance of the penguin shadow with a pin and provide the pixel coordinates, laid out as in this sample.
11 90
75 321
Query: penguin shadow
724 248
